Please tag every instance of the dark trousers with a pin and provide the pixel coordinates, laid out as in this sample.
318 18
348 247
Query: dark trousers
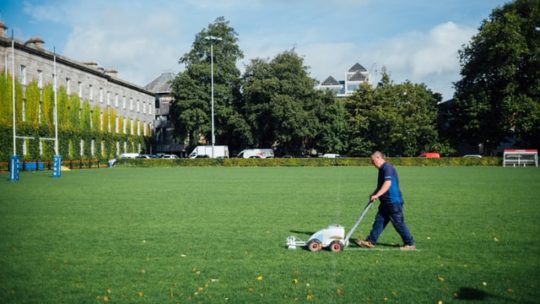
390 213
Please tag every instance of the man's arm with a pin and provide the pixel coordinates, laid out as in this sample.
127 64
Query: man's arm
385 186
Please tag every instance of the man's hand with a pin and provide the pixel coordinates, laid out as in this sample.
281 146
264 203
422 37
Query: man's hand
373 198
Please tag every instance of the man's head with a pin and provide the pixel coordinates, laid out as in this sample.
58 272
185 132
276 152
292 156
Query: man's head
377 159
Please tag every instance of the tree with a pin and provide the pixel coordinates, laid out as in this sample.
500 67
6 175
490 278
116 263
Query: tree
398 119
332 130
191 111
32 104
283 108
47 107
498 96
74 109
86 118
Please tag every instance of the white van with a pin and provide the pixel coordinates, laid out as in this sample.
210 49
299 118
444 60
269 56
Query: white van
206 152
256 153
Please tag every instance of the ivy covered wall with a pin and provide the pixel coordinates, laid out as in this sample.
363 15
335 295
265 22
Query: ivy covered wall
84 132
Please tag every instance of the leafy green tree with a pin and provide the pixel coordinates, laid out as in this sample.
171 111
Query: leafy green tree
96 119
74 108
32 104
398 119
332 134
191 111
86 117
63 108
47 107
498 96
284 109
6 101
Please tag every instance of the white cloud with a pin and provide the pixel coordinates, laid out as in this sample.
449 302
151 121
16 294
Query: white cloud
140 51
428 57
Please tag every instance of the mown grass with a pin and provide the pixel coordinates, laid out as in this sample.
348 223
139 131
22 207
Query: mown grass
217 235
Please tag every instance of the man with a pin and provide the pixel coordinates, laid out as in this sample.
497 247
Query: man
391 206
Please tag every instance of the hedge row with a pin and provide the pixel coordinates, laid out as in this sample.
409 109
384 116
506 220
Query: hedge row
305 162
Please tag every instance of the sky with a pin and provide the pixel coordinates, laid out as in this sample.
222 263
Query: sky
416 40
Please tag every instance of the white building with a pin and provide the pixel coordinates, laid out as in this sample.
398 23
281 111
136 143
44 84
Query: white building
355 76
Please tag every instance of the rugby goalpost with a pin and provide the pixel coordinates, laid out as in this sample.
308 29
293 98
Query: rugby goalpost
14 159
520 157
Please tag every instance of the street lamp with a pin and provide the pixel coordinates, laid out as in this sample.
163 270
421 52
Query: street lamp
212 39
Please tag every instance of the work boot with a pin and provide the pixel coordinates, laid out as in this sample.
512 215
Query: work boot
408 247
364 244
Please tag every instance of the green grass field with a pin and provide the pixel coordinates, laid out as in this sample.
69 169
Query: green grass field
217 235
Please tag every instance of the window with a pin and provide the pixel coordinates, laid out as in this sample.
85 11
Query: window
91 92
101 95
101 121
68 86
79 89
144 107
131 104
40 79
138 106
116 100
108 98
23 75
123 102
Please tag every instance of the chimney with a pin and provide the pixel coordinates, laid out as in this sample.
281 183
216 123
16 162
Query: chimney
112 73
3 29
35 42
90 64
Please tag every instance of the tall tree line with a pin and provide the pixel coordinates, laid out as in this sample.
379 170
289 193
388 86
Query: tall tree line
274 103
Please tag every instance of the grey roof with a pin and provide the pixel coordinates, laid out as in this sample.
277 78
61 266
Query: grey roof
162 84
357 67
330 81
358 76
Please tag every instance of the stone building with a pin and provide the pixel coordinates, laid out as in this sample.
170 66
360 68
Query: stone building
91 82
165 141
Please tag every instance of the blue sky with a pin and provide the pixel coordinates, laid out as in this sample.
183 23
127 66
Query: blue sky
416 40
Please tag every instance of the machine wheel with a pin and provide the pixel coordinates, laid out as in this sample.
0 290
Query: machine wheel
314 246
336 246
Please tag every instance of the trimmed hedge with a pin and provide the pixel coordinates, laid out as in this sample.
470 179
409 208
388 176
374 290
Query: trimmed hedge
305 162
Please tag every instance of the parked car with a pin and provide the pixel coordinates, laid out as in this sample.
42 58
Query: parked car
169 156
331 155
148 156
256 153
430 155
472 156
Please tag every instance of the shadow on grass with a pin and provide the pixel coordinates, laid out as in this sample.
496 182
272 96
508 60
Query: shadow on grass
310 233
474 294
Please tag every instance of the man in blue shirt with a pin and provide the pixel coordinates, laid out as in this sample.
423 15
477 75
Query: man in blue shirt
391 206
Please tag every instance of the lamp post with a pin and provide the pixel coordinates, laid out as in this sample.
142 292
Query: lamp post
212 39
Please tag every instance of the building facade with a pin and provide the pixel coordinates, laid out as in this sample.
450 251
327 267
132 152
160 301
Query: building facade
99 86
354 77
165 141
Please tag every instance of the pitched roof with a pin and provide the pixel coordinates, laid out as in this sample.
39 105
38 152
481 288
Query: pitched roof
162 84
330 81
358 76
357 67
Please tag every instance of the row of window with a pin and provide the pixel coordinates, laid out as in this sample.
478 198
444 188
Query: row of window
92 147
133 105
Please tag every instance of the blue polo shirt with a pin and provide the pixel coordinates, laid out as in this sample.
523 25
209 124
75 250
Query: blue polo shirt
393 195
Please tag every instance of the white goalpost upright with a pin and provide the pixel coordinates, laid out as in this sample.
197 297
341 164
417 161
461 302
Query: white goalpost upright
14 164
520 157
